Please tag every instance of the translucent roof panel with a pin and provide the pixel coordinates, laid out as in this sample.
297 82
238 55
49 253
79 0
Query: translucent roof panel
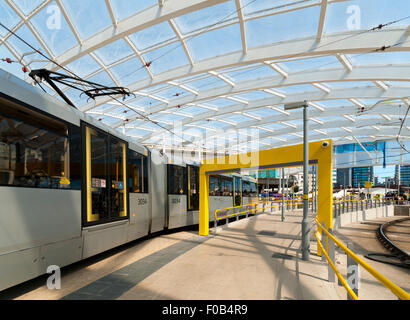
263 112
22 48
55 32
206 17
253 7
8 17
84 66
173 93
208 45
27 6
273 126
102 78
398 83
286 26
237 118
89 16
364 14
253 95
124 9
206 83
381 58
145 103
101 108
261 71
152 36
311 64
114 51
194 110
336 103
348 84
297 89
129 72
166 58
220 102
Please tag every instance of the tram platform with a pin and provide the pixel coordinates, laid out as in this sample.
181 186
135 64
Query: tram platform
254 258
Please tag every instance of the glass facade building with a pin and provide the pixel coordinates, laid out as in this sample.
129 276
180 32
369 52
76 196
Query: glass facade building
361 175
404 175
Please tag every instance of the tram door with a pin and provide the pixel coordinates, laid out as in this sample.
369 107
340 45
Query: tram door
105 171
193 188
237 185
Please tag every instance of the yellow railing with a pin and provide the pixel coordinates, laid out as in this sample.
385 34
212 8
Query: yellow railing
343 199
399 292
256 204
278 203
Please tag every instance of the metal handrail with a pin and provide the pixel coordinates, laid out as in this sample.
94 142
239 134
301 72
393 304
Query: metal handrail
340 277
251 210
399 292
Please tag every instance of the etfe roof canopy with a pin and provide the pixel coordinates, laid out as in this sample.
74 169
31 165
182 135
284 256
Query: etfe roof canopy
202 66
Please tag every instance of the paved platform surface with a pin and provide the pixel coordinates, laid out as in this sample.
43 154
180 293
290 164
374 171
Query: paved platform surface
243 262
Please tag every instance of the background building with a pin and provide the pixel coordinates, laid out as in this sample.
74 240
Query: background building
361 175
344 177
404 175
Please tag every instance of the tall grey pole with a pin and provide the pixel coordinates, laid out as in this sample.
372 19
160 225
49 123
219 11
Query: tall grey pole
385 187
283 192
305 221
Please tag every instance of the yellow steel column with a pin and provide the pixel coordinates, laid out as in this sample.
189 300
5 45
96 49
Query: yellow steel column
325 189
203 202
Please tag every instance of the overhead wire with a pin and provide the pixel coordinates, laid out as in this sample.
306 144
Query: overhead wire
90 85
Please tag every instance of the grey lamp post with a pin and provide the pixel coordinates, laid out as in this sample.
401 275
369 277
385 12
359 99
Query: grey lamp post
305 220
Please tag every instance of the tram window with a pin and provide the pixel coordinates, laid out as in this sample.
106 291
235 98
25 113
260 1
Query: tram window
135 172
117 175
176 179
253 189
99 176
246 188
227 186
145 175
215 186
237 186
193 191
138 172
238 191
75 157
33 149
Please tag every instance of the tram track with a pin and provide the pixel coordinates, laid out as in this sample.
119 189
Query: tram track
396 253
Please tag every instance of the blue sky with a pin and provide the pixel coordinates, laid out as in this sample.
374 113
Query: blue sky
382 173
